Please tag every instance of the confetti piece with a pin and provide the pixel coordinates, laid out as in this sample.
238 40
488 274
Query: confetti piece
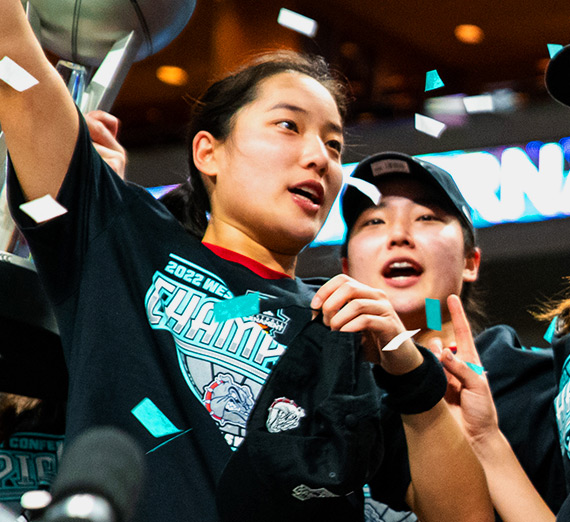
15 76
43 209
433 81
297 22
550 331
241 306
554 49
367 188
395 343
481 103
433 314
149 415
429 125
479 370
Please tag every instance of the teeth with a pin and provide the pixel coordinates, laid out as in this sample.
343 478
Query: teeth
401 264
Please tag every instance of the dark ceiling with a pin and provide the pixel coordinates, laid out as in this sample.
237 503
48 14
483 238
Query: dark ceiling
383 47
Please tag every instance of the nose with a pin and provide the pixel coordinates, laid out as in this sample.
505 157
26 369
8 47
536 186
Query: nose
316 155
400 235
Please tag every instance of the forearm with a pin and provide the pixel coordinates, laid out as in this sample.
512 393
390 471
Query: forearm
448 482
40 123
512 493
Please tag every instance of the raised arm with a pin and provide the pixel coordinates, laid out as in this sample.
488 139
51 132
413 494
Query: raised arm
448 483
512 493
41 123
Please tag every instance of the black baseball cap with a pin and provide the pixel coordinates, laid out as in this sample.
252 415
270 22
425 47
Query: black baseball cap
557 76
372 168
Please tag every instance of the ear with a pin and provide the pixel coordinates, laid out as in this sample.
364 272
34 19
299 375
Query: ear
472 263
203 152
344 261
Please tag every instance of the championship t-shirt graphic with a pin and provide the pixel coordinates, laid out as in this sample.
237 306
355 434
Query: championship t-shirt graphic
224 363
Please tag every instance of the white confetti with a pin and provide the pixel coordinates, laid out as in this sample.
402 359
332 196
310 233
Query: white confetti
395 343
43 209
481 103
297 22
15 76
367 188
429 125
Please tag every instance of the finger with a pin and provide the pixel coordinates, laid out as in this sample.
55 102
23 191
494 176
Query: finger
114 159
466 376
102 135
325 291
338 293
347 303
466 349
110 122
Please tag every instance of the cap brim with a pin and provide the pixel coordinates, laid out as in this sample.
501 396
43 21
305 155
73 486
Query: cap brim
557 76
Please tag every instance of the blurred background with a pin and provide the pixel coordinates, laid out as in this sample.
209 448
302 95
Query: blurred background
385 48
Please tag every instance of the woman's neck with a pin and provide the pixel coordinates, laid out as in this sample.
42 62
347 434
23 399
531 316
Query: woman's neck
235 240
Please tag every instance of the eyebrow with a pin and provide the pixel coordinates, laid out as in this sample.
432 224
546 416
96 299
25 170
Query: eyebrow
424 202
295 108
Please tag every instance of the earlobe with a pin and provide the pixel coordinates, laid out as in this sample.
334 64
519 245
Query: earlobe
203 152
472 263
344 261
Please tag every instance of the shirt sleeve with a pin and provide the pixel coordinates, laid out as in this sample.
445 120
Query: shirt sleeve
93 195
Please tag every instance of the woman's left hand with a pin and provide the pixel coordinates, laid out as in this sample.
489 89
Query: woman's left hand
350 306
468 393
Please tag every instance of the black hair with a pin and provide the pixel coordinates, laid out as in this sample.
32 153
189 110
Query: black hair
215 110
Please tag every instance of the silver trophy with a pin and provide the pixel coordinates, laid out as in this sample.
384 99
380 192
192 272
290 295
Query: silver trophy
97 41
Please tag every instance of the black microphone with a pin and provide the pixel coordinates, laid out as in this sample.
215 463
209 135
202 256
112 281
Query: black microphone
99 479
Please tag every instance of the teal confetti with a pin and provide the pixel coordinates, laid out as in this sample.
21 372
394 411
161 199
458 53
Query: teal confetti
554 49
433 81
433 314
241 306
550 331
479 370
149 415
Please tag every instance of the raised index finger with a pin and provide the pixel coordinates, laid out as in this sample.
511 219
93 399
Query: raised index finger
466 350
325 291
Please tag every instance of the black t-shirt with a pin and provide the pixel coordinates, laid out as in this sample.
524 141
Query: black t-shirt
133 294
523 389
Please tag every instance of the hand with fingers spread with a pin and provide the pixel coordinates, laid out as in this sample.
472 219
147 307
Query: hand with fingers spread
468 393
469 397
103 128
350 306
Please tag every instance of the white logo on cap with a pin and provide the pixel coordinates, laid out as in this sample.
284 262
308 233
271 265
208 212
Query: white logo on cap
284 414
467 213
389 165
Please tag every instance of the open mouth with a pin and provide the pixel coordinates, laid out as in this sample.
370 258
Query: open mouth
310 191
402 269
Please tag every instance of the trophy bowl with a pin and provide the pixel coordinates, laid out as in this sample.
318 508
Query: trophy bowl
83 31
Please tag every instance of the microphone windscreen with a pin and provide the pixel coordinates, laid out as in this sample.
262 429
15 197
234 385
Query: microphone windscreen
105 462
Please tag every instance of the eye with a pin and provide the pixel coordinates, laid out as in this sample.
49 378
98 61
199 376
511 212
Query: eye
335 145
428 217
288 124
372 222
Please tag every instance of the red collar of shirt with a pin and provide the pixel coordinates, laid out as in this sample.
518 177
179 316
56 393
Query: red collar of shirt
255 266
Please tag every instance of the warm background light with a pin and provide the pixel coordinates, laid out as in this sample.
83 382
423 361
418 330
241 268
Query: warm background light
469 34
172 75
